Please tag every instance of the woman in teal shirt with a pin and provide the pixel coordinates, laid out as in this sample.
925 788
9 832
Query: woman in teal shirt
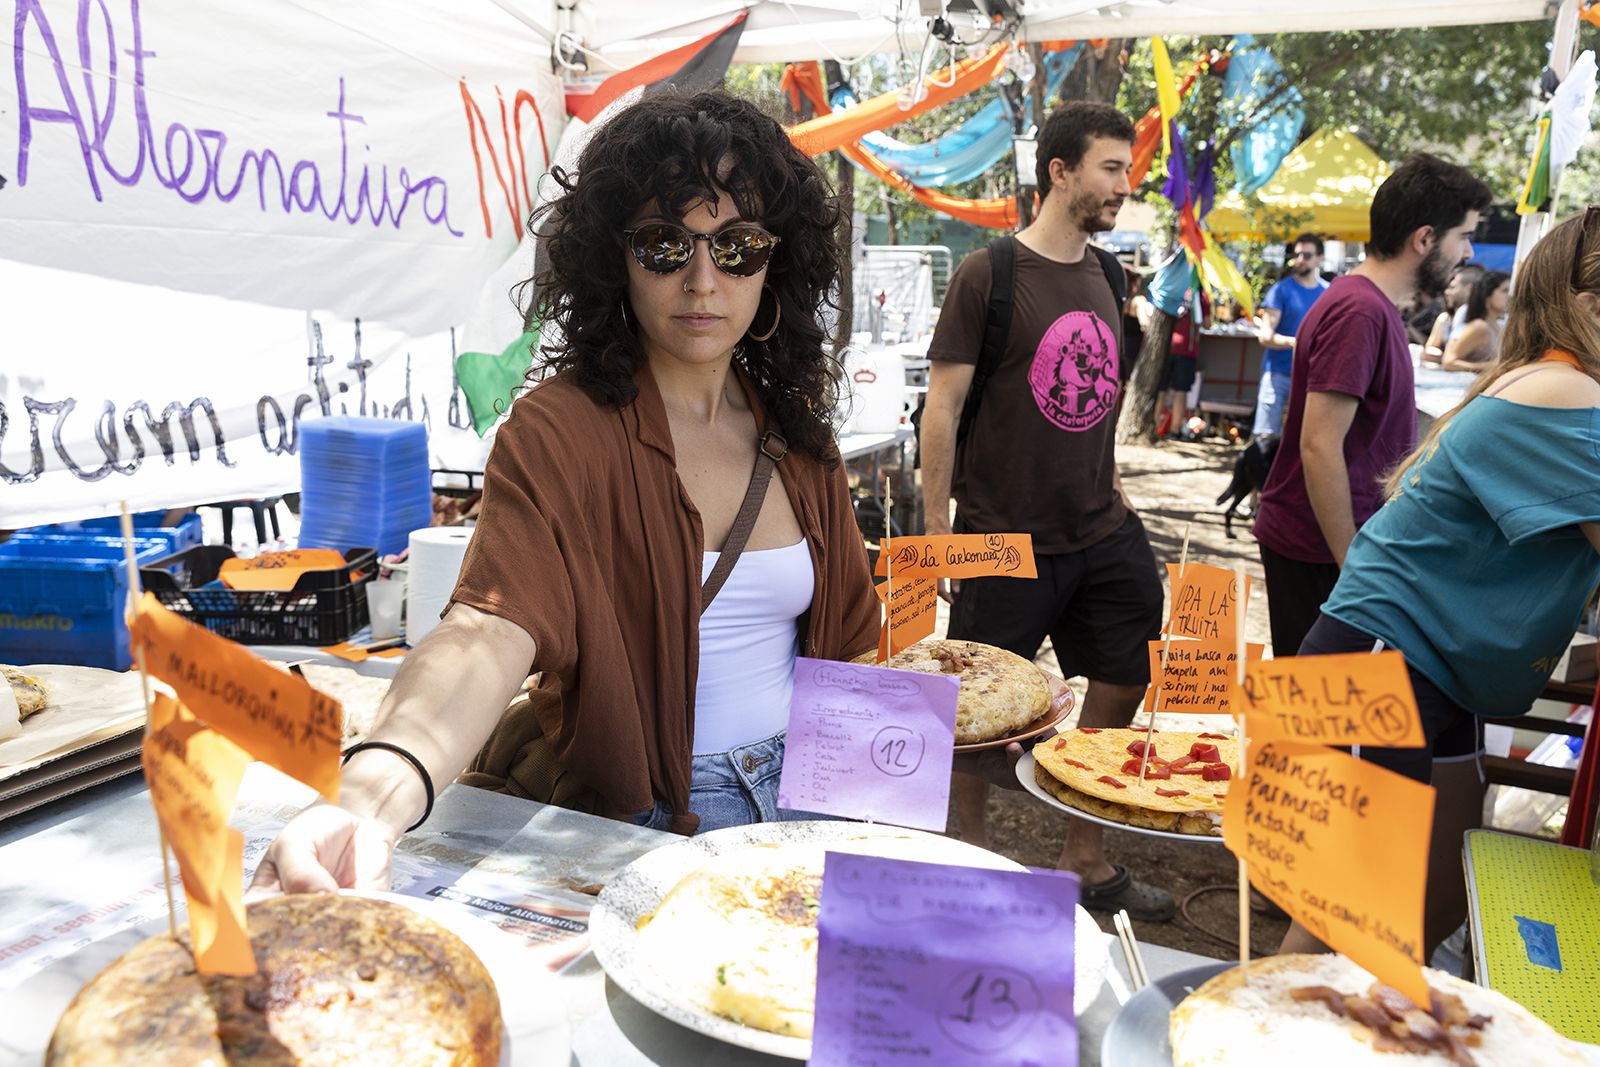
1478 567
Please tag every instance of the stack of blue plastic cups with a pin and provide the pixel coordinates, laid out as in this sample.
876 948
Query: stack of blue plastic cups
364 483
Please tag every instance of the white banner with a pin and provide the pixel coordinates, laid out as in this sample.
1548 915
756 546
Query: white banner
373 158
111 391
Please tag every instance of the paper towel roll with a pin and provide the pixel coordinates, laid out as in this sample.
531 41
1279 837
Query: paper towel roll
435 564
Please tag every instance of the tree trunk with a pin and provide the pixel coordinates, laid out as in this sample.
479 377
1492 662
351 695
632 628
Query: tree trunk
845 192
1097 75
1137 423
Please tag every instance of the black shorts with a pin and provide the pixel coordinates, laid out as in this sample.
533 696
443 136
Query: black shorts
1454 734
1178 375
1296 591
1099 606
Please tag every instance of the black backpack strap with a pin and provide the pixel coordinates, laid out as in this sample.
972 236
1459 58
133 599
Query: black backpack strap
1115 275
996 327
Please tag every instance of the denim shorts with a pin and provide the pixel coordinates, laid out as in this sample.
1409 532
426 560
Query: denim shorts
733 788
1271 403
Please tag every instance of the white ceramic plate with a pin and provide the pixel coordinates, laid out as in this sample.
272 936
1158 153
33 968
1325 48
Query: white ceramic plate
638 891
532 1008
1025 770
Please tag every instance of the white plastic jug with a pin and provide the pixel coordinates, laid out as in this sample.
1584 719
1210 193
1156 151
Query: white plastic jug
874 390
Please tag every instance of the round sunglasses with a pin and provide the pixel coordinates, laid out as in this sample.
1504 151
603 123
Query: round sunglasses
664 248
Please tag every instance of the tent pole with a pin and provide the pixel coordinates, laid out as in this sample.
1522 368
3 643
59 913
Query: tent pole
1563 50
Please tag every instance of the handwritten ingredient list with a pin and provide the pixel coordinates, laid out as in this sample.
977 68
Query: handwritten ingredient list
870 743
1198 677
1341 845
926 963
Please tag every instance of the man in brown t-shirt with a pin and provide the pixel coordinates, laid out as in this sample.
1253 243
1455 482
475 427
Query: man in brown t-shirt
1039 458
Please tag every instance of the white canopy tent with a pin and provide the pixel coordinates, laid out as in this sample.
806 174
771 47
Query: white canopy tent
620 33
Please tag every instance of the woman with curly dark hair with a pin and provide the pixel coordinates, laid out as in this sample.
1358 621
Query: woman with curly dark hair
689 259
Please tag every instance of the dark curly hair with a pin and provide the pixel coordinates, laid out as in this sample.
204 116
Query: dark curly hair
677 149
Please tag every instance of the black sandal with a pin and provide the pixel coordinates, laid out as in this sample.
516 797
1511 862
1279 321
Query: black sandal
1147 903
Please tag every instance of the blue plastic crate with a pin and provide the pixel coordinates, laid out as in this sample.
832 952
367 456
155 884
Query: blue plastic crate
185 534
63 602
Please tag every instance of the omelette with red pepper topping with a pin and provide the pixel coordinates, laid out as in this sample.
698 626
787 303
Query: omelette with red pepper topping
1184 783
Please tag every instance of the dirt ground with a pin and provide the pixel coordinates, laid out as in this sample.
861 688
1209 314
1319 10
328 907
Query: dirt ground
1173 485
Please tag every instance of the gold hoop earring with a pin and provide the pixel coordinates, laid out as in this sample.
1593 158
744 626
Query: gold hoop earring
776 318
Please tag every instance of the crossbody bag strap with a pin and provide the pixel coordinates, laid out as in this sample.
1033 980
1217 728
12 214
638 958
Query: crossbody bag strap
769 450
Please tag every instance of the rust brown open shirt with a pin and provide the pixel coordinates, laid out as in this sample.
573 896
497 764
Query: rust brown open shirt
588 541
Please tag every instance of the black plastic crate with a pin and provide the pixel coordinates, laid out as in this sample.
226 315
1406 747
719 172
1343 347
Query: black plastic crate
324 607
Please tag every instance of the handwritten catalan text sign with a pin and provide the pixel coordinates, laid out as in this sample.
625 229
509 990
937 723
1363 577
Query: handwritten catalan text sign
1205 602
1198 677
165 137
923 963
1341 845
911 613
193 773
273 715
1356 699
961 556
870 743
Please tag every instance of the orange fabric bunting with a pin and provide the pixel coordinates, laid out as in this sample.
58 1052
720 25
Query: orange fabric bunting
805 79
831 130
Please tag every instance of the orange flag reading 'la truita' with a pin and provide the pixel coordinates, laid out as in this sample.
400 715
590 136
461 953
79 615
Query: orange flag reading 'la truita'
193 773
271 714
1357 699
1341 845
960 556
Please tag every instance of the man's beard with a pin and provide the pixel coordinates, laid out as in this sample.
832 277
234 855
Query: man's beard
1089 212
1433 273
1305 269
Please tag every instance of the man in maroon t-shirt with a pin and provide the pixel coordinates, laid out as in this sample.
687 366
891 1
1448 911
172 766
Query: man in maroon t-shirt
1352 404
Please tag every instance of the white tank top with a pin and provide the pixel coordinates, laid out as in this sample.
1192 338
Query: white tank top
748 640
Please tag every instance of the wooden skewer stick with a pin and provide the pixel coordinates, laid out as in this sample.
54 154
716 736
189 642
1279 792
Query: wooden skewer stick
1244 744
888 601
134 592
1166 649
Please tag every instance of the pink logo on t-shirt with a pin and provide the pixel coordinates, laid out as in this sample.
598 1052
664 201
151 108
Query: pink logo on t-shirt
1074 373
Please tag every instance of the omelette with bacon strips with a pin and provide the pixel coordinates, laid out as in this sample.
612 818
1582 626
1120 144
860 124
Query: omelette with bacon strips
1182 790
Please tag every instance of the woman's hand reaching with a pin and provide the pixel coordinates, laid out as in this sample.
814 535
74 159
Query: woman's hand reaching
325 848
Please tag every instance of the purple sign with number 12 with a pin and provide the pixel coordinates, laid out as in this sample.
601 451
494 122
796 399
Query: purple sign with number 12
922 963
870 743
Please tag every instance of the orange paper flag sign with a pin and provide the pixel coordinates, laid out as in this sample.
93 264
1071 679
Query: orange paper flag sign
1355 699
961 556
1199 675
277 570
193 773
1342 846
912 607
273 715
1205 603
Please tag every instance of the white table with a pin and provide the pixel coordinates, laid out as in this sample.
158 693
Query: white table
101 843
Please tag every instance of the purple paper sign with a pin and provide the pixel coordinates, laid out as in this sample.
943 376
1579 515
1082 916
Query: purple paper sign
870 743
925 963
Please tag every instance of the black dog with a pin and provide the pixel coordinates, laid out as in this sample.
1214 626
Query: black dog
1249 475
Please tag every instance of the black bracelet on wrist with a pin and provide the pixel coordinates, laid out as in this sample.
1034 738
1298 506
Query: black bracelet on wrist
422 772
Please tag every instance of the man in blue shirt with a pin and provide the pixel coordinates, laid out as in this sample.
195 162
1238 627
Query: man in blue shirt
1285 304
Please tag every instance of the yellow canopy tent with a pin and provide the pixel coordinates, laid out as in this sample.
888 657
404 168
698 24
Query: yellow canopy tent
1326 184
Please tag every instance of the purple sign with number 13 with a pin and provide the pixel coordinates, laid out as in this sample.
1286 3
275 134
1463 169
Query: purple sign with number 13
870 743
922 963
